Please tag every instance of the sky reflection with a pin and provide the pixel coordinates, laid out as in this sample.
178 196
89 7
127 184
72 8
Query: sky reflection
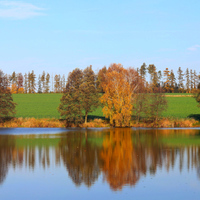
74 163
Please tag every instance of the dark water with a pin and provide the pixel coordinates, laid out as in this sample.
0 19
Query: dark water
99 164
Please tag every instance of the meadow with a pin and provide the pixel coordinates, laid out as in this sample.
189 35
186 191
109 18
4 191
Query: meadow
45 106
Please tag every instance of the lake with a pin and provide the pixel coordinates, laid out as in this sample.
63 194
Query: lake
121 163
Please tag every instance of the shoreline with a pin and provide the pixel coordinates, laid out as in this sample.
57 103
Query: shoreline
96 123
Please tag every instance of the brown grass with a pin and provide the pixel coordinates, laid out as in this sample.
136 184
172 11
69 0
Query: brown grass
32 123
168 123
56 123
97 123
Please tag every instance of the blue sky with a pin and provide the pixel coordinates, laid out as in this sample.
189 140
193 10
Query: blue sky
58 36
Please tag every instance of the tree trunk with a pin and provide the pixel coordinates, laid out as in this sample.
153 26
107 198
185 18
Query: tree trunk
86 115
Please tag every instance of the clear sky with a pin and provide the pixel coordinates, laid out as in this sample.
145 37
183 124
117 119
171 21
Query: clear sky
58 36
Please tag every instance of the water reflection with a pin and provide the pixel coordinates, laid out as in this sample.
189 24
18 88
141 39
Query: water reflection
122 156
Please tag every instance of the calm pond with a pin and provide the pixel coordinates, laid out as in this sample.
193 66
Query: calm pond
101 164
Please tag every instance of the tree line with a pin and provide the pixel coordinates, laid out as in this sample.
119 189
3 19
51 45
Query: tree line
185 82
122 93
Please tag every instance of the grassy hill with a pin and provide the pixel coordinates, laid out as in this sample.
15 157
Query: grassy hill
45 106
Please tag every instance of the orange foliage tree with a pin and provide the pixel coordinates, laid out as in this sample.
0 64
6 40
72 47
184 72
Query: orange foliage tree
119 86
14 89
120 161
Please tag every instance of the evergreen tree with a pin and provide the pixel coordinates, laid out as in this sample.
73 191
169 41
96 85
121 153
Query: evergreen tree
57 83
43 82
187 76
195 80
90 97
70 106
172 80
25 83
159 77
20 81
151 70
47 83
191 80
32 82
180 80
29 82
153 76
39 84
142 70
63 85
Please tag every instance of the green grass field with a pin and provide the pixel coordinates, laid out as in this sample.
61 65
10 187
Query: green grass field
45 106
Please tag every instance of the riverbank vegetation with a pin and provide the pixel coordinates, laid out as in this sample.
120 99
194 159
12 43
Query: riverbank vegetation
115 96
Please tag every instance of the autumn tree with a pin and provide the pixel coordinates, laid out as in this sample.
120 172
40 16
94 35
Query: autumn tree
90 97
119 87
70 107
20 81
166 74
101 78
7 106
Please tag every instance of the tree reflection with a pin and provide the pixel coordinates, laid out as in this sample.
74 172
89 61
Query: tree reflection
120 164
81 158
7 146
123 156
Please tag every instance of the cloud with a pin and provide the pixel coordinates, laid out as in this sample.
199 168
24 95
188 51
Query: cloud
194 47
19 10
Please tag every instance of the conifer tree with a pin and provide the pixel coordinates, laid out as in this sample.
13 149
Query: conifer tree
29 82
47 83
63 85
142 70
20 81
187 76
195 80
180 80
43 77
172 80
57 83
151 70
32 82
191 80
39 84
25 83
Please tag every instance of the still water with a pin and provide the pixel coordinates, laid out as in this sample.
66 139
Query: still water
99 164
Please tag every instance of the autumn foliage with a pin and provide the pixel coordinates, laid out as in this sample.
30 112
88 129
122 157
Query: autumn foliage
119 86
